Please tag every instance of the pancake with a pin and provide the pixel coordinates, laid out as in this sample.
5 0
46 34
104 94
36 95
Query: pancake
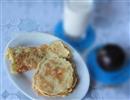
55 76
60 49
25 58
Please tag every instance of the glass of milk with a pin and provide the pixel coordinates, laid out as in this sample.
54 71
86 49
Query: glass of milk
76 17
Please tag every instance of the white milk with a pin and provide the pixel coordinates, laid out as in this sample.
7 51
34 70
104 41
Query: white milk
76 14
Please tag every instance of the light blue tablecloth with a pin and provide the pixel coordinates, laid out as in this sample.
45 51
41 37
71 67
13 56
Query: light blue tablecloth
111 20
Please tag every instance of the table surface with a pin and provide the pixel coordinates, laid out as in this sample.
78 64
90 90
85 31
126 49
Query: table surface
111 19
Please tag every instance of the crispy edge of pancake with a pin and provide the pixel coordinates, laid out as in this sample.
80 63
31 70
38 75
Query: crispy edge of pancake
39 92
9 56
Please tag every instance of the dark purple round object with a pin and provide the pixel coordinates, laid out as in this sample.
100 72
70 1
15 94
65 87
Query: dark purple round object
111 57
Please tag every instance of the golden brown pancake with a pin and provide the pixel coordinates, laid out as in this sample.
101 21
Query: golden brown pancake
60 49
54 77
25 58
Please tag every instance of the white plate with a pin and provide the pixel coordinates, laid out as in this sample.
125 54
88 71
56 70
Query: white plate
23 81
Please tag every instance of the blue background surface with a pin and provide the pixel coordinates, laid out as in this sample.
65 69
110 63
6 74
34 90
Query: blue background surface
111 20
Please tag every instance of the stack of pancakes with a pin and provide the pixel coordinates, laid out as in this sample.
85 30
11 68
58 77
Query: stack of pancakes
55 72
